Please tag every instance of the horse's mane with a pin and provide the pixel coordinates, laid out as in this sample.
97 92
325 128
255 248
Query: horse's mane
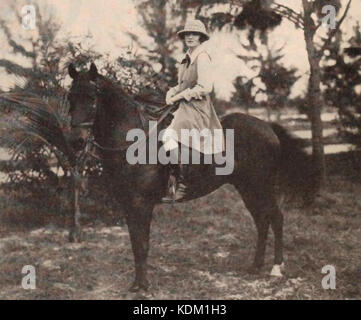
149 100
148 96
151 96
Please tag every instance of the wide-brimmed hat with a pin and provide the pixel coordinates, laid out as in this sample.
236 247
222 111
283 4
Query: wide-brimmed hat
194 26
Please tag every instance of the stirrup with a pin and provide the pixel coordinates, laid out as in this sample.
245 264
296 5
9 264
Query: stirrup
175 194
180 193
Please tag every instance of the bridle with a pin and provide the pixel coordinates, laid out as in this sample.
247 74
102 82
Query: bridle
81 157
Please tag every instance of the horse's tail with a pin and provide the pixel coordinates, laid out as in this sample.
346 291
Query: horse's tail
297 172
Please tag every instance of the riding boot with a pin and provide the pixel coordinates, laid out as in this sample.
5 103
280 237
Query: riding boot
181 186
176 185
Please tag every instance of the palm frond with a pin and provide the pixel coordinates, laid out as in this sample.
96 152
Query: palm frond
46 119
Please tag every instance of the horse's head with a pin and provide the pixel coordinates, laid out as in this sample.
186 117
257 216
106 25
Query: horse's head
82 98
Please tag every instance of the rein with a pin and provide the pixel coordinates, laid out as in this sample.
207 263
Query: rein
143 120
83 125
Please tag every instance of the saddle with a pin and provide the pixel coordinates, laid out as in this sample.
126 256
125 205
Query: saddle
152 109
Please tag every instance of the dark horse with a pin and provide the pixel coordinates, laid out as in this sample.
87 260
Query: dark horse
261 156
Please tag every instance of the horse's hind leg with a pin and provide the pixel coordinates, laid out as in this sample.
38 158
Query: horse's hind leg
264 209
277 227
257 208
139 218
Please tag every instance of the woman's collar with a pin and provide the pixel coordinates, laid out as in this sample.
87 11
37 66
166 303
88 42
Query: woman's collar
195 52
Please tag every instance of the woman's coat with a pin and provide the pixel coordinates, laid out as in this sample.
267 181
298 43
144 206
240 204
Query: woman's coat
196 110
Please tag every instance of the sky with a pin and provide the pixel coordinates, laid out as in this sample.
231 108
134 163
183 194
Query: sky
109 20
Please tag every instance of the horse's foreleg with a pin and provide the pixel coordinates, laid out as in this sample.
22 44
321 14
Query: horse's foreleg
139 219
75 233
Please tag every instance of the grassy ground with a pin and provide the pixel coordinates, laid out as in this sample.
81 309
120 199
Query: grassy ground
199 250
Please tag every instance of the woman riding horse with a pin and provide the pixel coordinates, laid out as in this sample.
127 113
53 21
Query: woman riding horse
195 109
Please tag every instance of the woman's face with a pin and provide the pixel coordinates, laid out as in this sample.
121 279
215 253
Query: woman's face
192 39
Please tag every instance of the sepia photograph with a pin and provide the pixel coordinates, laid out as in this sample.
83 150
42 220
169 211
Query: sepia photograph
184 150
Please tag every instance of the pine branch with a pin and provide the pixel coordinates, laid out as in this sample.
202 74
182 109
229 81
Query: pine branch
17 48
16 69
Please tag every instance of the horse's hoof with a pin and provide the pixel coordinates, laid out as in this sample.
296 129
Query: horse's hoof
75 236
138 287
277 270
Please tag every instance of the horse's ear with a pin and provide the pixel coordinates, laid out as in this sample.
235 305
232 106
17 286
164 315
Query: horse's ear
93 72
72 71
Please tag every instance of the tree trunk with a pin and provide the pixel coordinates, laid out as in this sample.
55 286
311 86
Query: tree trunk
247 108
315 104
268 108
314 95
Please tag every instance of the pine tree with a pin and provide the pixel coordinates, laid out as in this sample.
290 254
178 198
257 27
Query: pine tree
48 56
278 81
276 78
244 96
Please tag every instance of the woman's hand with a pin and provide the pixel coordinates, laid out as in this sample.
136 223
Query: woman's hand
170 94
172 100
